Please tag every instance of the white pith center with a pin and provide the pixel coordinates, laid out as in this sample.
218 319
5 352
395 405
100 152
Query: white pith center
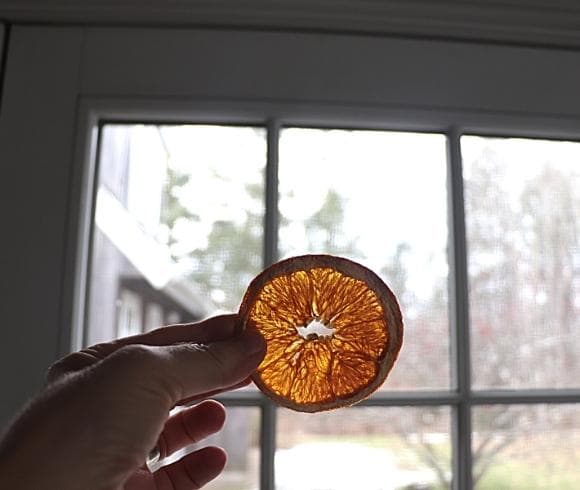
315 330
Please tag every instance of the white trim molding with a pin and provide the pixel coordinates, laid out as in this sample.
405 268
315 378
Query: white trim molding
535 22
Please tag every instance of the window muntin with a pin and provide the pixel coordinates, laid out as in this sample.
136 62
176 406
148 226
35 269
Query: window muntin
460 407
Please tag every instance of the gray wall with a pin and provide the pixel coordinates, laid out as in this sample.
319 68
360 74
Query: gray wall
36 128
61 80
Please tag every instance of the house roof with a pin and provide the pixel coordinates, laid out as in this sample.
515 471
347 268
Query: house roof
150 257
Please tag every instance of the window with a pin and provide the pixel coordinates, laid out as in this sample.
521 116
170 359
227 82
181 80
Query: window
522 200
479 237
274 83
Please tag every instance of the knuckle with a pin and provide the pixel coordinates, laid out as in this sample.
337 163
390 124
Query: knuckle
143 368
69 364
56 371
135 357
136 351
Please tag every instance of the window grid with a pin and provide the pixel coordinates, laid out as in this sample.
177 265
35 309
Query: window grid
460 398
268 422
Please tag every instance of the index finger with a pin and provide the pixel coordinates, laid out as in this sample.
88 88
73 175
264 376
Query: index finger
209 330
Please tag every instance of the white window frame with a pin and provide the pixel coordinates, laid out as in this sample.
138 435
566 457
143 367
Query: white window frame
274 79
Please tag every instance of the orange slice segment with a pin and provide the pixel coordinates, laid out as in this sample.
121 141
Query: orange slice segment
333 331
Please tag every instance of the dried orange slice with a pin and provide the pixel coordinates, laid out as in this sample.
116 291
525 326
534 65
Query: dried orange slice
333 331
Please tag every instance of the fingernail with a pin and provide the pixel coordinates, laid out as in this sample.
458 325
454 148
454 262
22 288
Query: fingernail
153 458
252 341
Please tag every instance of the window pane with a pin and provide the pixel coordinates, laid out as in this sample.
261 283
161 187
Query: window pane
364 448
240 437
379 198
178 224
522 200
526 447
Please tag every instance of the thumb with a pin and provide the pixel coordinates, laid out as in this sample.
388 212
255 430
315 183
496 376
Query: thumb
185 370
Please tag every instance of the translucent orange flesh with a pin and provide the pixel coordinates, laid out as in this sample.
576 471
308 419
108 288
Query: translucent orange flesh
320 369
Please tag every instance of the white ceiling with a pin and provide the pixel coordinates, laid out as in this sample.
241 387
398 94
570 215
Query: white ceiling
538 22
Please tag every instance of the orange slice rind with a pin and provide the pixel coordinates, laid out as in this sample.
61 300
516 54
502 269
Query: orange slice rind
333 331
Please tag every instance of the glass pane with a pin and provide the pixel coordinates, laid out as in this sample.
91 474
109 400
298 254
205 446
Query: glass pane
240 437
379 198
526 447
366 448
178 224
522 200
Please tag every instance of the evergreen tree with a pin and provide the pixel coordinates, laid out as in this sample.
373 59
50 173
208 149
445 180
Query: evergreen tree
233 255
172 210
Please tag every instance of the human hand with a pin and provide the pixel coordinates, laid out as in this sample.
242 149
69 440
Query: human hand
107 406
